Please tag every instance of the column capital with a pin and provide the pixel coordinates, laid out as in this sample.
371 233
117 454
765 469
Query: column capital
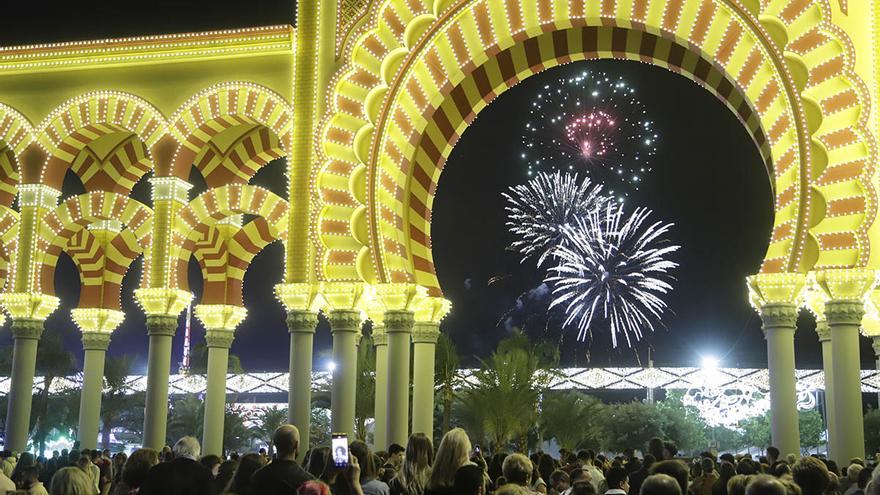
823 330
301 321
379 338
849 284
97 320
161 301
779 315
219 337
170 189
426 332
775 288
399 296
345 296
95 341
849 312
29 305
433 309
161 325
220 316
300 297
399 321
27 328
345 320
38 195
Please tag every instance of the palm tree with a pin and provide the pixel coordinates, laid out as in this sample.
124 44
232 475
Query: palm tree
506 389
198 361
119 405
53 361
267 421
236 436
446 365
185 418
573 419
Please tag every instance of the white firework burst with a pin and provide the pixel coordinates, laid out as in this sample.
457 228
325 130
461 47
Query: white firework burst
540 211
613 267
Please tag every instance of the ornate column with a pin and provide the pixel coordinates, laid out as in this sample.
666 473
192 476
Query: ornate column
220 321
380 413
774 295
162 307
400 302
29 312
345 316
96 325
815 299
302 302
846 290
425 334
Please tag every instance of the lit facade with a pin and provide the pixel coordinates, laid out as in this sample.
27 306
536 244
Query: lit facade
365 99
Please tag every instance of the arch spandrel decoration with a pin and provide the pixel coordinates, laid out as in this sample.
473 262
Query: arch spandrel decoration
384 119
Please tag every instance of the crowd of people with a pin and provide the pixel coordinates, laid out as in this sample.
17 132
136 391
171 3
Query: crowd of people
455 467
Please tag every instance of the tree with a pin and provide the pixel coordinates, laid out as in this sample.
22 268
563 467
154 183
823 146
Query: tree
684 425
236 436
504 391
120 406
632 425
185 418
198 361
53 361
319 426
756 431
872 431
267 421
446 365
810 427
573 419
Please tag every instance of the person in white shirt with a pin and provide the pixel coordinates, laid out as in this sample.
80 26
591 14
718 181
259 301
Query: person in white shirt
618 481
6 484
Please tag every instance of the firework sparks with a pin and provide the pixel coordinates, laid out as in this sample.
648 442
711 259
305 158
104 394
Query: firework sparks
539 211
592 123
613 267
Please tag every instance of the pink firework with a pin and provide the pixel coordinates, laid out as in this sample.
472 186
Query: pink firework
592 134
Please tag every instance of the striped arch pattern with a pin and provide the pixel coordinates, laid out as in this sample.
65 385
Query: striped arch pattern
8 243
414 57
118 172
78 122
100 263
240 161
16 134
223 250
222 107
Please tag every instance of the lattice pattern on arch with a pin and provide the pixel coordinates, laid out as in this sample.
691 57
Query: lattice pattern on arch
402 68
15 130
240 161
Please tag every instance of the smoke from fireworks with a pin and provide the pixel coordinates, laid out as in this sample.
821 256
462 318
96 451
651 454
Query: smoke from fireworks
539 211
592 123
614 267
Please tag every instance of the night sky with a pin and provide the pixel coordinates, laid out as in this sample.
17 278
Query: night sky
708 180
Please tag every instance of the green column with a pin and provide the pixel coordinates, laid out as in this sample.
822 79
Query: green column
844 319
26 334
779 323
827 359
301 325
345 327
398 326
219 341
94 351
160 329
424 338
380 434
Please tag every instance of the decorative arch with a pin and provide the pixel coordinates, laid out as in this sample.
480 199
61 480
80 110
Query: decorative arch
222 248
16 134
8 243
418 77
87 118
220 108
129 227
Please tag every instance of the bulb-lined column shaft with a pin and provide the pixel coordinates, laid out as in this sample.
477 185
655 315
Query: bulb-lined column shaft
345 327
380 434
827 359
301 325
26 333
219 341
844 319
398 327
94 353
424 338
160 329
779 324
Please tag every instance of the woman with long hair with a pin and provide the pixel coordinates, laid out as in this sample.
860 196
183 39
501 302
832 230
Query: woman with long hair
453 453
412 479
317 461
241 480
25 461
72 481
369 472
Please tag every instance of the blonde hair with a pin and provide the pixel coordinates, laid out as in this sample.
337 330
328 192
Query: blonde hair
413 475
72 481
453 453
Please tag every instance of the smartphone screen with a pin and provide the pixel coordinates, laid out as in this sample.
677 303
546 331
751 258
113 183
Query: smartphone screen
339 445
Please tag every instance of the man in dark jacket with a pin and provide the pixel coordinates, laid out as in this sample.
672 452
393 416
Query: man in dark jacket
283 475
182 476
